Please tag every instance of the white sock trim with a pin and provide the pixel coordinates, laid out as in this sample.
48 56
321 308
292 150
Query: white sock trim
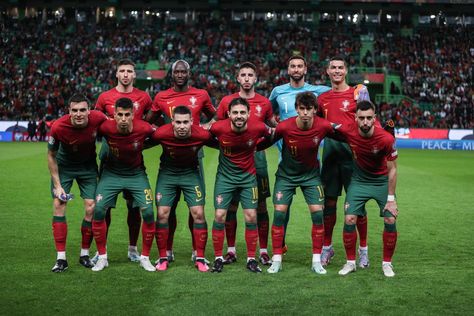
61 255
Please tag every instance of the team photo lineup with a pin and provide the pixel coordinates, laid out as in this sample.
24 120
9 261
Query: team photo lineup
358 157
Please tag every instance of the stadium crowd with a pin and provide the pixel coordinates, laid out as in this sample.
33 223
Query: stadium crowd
43 63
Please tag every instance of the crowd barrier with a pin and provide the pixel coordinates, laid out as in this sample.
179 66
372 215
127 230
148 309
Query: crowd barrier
417 138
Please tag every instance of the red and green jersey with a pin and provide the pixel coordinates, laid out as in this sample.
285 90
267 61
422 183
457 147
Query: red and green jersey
141 102
370 154
260 107
125 153
300 147
75 146
197 100
236 158
180 154
338 107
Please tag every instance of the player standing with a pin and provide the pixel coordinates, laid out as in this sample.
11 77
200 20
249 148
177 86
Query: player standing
124 170
125 75
374 177
299 168
199 102
236 174
71 156
260 110
339 106
283 100
179 171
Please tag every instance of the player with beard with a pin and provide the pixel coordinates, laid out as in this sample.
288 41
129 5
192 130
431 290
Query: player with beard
71 156
260 110
374 177
236 174
339 106
199 102
283 101
125 75
123 169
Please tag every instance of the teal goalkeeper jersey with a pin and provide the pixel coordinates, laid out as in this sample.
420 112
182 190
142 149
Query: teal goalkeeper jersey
283 98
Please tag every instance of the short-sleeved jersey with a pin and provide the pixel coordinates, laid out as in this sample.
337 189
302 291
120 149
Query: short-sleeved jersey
260 107
141 102
125 154
283 98
338 107
197 100
370 154
300 147
75 146
180 154
236 157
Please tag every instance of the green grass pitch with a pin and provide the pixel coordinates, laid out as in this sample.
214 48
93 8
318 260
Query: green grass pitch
433 260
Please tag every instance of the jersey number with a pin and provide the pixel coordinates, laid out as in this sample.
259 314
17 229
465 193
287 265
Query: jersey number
148 195
198 191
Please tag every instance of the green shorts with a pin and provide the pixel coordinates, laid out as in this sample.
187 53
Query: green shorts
337 166
86 179
360 192
111 184
168 183
285 189
225 188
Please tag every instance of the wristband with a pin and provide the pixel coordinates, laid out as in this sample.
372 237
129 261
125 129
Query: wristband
390 198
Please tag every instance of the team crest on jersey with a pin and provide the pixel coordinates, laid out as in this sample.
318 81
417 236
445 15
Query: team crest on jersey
99 198
259 110
279 195
159 196
250 143
346 206
135 145
219 199
345 106
193 101
316 140
51 140
375 150
94 134
194 148
136 105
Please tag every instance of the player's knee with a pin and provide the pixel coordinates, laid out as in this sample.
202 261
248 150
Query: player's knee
89 207
220 216
350 219
389 220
